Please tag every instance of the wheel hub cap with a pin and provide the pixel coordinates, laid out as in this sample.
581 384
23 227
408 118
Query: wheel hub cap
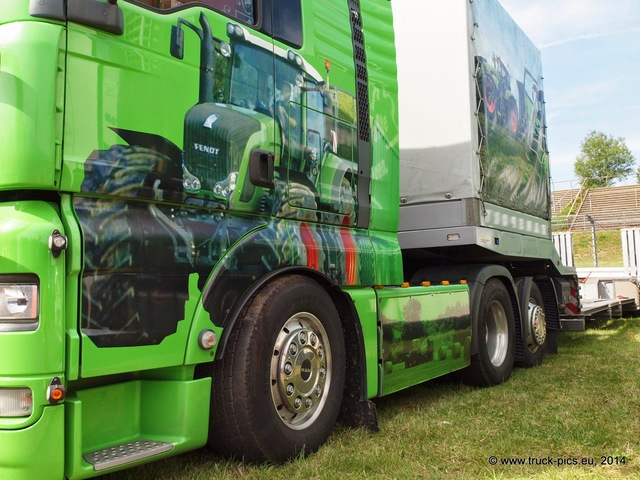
300 371
537 324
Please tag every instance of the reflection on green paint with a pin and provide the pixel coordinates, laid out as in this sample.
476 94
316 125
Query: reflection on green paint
426 333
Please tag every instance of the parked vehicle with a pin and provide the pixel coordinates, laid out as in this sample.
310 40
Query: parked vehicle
235 223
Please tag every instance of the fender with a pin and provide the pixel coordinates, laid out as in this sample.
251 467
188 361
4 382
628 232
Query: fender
552 314
548 291
523 289
152 142
271 248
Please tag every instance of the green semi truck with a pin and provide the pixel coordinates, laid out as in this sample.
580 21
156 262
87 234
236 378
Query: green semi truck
237 222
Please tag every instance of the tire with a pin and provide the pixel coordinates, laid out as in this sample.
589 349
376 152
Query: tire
512 122
535 330
126 171
490 95
278 389
119 308
493 362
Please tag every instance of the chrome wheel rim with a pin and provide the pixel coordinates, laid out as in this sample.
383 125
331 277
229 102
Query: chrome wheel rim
496 333
537 326
300 371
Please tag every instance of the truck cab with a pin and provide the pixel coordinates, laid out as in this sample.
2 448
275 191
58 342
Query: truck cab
211 236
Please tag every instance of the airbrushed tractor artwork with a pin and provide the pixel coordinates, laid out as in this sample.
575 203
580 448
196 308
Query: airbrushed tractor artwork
511 115
235 223
304 179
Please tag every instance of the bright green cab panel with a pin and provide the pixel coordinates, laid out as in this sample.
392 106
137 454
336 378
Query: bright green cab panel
175 412
31 103
36 452
14 11
25 228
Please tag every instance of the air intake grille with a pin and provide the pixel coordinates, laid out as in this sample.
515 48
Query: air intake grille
362 81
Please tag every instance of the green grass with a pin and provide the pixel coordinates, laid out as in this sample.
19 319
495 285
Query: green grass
581 404
609 247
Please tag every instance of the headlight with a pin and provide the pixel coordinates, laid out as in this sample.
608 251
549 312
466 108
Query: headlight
15 402
295 58
234 30
225 49
227 186
19 309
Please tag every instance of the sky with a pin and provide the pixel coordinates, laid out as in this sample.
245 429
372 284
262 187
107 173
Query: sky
591 66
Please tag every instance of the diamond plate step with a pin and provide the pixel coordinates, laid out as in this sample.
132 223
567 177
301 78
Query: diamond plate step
126 453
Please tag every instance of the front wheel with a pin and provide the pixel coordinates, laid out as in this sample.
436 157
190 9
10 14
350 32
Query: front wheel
493 362
277 391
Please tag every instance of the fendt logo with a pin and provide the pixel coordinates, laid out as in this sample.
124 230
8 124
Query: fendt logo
206 149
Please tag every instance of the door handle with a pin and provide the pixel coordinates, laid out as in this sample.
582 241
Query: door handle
261 167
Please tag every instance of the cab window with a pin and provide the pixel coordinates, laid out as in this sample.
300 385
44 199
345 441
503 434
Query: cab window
242 10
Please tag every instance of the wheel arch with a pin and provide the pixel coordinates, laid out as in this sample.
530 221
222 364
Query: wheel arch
523 288
355 391
478 276
552 312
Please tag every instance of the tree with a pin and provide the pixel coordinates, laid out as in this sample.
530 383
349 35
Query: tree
603 159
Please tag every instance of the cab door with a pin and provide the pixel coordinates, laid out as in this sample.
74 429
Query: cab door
147 171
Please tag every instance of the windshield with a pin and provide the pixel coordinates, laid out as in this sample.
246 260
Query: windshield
241 10
252 79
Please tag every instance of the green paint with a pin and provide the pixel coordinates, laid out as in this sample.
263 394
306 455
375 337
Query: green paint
426 333
171 411
37 451
155 257
25 227
364 300
31 100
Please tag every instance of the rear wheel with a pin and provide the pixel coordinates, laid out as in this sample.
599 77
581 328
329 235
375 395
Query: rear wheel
493 362
490 95
277 391
535 329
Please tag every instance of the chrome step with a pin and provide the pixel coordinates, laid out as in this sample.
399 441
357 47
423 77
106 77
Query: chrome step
126 453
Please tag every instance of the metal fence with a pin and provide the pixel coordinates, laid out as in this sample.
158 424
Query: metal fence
602 221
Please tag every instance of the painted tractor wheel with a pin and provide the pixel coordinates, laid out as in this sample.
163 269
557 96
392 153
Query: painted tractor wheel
490 92
119 238
493 362
277 391
535 330
512 117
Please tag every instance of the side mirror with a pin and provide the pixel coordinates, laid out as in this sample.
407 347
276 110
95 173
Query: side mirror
177 42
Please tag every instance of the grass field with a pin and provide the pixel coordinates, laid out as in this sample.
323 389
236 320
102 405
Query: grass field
582 405
608 246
